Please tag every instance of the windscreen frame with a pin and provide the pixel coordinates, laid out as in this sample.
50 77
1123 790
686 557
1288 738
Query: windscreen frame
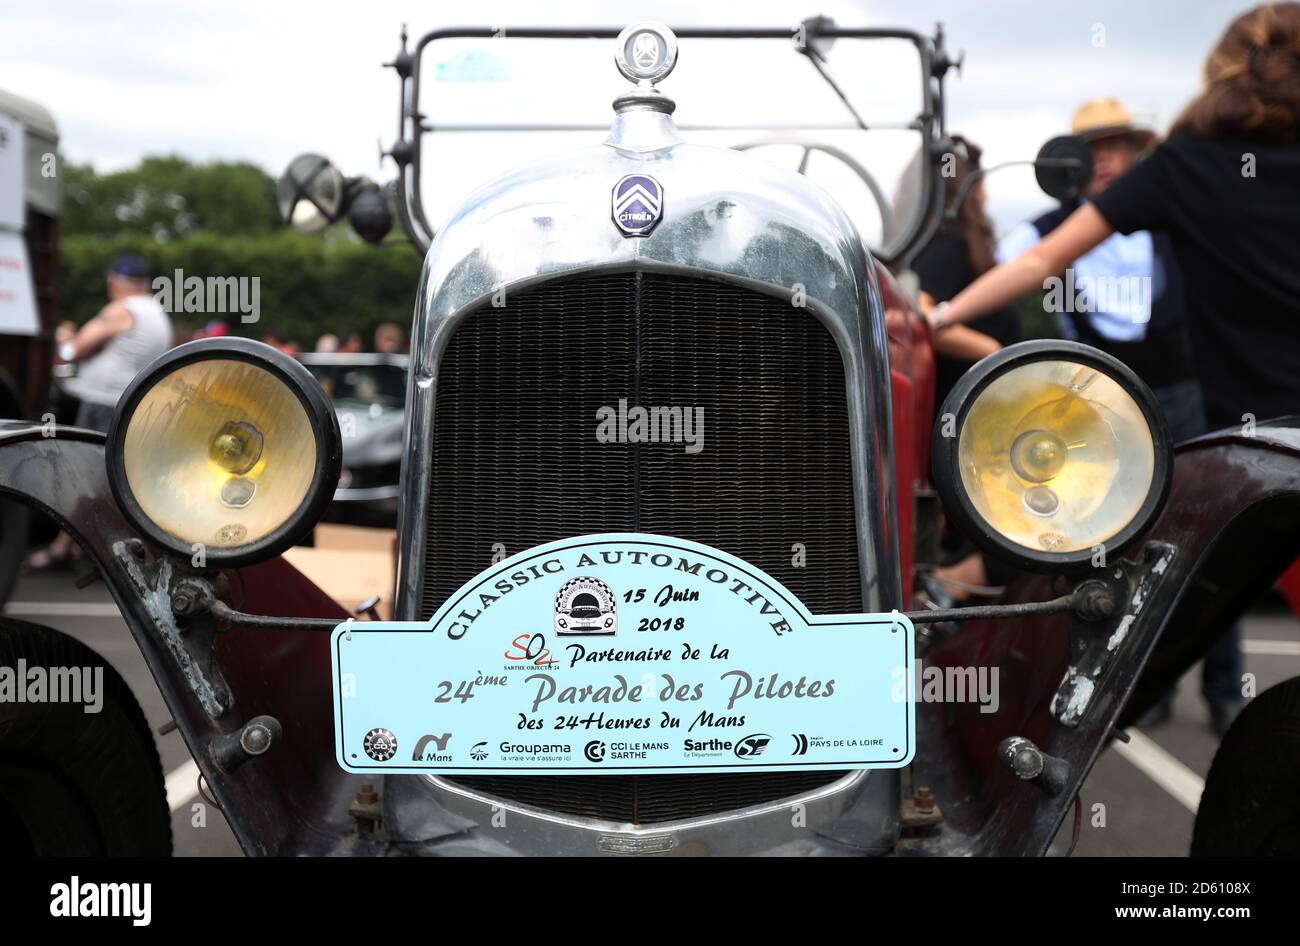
413 125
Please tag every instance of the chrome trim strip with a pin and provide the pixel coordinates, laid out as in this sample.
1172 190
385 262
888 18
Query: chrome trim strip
365 494
856 814
332 358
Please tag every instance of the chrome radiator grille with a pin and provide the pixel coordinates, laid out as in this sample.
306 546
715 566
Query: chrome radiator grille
516 461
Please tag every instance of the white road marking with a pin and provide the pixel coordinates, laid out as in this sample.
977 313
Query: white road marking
1162 768
1271 648
62 609
182 785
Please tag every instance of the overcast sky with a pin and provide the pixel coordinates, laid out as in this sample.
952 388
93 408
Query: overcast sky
263 80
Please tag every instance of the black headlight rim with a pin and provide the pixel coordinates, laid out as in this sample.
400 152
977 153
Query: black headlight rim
321 418
947 475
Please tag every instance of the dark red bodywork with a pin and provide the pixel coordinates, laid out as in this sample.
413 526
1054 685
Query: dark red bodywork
911 383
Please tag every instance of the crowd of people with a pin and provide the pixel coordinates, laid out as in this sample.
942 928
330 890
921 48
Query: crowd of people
1208 217
389 339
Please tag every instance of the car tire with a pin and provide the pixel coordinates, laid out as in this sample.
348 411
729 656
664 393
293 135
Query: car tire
15 519
74 783
1251 803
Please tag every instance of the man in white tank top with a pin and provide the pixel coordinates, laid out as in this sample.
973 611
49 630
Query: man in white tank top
114 346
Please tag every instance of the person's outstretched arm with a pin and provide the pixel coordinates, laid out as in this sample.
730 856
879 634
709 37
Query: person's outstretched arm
960 341
1004 284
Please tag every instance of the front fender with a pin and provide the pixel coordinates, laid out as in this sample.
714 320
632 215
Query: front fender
1233 522
292 800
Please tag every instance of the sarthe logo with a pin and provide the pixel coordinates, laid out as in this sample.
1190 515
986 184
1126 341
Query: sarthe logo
750 746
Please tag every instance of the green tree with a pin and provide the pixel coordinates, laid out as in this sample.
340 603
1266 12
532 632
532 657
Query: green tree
219 219
308 285
168 197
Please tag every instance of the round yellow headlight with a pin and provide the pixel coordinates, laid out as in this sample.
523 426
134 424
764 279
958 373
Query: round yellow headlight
1052 451
227 446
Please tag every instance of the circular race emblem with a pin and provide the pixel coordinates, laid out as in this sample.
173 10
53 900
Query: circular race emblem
585 606
380 745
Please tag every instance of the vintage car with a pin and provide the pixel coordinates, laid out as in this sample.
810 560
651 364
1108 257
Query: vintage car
368 391
649 268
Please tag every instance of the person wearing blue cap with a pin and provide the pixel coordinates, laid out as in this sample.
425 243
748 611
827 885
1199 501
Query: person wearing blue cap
113 347
108 351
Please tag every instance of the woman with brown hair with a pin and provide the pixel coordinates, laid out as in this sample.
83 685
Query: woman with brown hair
962 250
1225 185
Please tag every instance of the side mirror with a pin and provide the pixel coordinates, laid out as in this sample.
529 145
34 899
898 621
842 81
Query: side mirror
1063 167
311 193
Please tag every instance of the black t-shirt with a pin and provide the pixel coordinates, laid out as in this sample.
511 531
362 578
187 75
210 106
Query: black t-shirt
945 269
1232 210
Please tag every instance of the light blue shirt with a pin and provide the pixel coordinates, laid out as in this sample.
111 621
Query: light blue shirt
1113 283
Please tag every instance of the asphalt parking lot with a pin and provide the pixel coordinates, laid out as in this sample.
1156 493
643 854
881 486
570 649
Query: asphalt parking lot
1149 788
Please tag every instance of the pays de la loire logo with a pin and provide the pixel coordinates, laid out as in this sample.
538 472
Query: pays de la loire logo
638 202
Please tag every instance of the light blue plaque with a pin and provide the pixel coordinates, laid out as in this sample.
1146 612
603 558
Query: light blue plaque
622 653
